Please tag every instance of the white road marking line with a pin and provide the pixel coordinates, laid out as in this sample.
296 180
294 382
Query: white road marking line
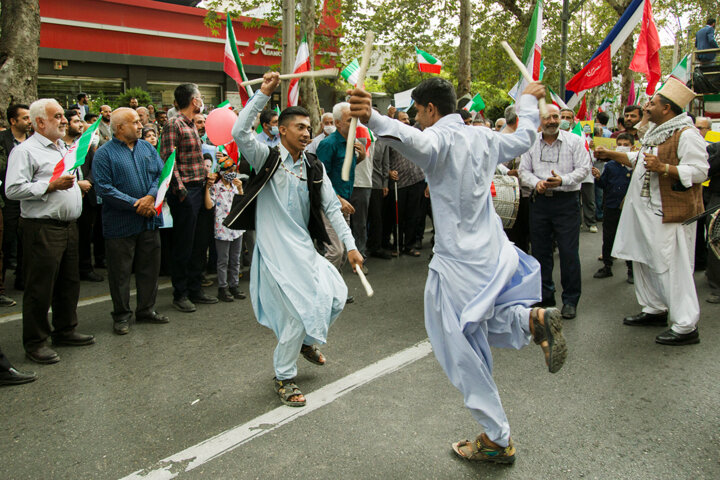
229 440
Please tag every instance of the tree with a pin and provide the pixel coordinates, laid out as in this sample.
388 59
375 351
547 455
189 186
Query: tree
19 43
464 48
308 92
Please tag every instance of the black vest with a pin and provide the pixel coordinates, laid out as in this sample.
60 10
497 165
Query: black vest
242 213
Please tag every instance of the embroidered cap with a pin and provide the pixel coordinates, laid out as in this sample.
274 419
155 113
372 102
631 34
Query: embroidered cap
676 91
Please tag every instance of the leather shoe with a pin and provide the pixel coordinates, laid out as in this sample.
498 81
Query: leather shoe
73 339
92 277
237 293
350 299
568 311
671 337
604 272
647 320
381 254
44 355
203 298
13 377
184 305
154 317
121 328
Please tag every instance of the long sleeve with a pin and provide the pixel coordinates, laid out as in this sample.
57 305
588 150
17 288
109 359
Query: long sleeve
154 184
527 177
693 166
582 164
169 142
519 142
19 178
420 146
253 151
331 207
102 171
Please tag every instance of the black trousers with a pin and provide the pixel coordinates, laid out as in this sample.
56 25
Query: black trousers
519 234
52 279
204 240
186 271
375 220
611 218
409 201
86 224
557 217
12 240
5 364
140 252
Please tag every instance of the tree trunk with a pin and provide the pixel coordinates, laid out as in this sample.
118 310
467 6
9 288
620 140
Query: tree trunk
19 43
308 91
626 53
464 49
288 47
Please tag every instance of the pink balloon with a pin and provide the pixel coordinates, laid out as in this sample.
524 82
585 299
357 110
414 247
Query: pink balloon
218 125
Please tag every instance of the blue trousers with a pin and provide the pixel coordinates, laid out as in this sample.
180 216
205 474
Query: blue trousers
557 218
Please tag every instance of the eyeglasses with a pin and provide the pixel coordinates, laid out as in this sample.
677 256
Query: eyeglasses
546 153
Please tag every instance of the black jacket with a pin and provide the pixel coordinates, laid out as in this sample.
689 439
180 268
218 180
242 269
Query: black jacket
242 213
7 143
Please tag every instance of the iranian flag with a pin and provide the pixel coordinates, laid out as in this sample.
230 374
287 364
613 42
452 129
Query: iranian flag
681 71
232 64
532 51
556 99
578 130
75 156
427 63
476 105
350 74
164 182
302 64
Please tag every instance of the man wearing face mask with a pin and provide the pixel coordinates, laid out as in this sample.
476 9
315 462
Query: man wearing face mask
328 128
567 119
270 130
185 198
555 167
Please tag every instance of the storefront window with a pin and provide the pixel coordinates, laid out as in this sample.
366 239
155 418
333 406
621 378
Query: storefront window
65 89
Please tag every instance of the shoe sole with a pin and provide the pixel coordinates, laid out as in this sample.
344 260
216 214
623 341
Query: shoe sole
183 310
678 344
658 324
62 343
556 340
55 359
501 460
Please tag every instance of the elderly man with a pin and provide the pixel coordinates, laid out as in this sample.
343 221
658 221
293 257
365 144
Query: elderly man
704 125
185 198
664 191
479 288
500 124
144 115
328 128
294 290
126 172
555 167
49 210
331 152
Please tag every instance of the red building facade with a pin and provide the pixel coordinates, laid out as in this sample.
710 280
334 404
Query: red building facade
107 46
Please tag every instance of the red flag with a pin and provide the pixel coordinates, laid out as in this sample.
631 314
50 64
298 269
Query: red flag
647 54
631 95
597 72
582 112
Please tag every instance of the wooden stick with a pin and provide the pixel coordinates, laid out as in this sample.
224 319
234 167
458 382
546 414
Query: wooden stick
368 289
347 164
327 72
526 75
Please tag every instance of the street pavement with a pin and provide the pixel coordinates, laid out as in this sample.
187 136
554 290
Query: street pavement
623 407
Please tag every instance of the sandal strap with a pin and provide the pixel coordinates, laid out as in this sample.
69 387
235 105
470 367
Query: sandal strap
288 387
539 334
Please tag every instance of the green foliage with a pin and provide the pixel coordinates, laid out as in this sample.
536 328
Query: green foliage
137 92
98 100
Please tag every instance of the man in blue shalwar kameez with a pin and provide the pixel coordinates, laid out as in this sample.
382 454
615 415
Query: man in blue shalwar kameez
480 287
294 291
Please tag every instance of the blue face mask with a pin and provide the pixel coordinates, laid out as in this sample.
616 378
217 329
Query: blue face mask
229 176
274 131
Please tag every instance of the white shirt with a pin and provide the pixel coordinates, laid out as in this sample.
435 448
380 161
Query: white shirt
566 156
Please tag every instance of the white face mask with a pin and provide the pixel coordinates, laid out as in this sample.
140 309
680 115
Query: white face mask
329 129
622 148
202 105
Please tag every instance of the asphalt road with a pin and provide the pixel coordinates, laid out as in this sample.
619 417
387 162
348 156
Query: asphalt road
623 407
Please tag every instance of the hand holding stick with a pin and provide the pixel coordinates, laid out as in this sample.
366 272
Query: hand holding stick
327 72
347 164
368 289
526 75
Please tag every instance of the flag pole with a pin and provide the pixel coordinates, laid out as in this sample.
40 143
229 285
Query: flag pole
525 74
326 72
347 164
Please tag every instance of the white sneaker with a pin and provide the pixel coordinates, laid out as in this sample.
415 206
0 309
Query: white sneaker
593 229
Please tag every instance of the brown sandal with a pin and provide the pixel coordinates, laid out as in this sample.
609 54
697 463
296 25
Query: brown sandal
286 389
483 450
312 354
548 335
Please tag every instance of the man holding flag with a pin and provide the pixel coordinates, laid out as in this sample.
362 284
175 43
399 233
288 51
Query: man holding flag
49 207
127 172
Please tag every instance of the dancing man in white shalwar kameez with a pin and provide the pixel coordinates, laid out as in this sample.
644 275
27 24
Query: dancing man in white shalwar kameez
294 290
480 288
664 191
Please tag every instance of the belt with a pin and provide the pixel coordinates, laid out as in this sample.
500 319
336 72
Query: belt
194 184
48 221
551 193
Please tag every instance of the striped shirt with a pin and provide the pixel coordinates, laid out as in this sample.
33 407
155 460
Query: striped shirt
408 172
566 156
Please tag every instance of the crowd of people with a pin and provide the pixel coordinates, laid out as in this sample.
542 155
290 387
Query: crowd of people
276 196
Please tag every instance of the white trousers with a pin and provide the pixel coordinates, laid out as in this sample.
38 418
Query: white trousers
672 291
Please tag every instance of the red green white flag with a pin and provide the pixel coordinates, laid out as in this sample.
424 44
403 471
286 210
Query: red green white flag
351 74
556 99
232 64
476 105
427 63
302 64
164 182
681 71
75 156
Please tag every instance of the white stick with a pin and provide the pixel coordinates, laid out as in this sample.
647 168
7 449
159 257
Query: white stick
368 289
526 75
347 164
327 72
